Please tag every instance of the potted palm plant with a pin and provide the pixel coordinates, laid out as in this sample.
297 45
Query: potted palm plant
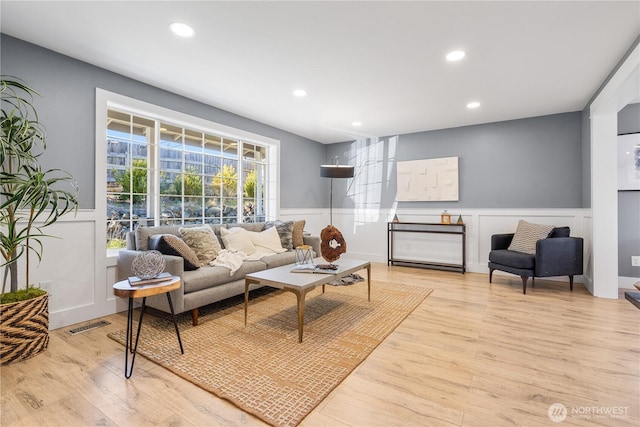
31 199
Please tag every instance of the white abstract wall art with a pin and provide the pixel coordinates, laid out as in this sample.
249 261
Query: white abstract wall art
428 180
629 162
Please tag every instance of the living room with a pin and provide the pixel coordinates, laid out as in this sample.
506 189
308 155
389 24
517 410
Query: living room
552 167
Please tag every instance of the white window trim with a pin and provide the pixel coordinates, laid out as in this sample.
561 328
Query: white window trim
106 100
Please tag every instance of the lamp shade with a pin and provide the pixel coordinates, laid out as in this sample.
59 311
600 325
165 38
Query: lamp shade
336 171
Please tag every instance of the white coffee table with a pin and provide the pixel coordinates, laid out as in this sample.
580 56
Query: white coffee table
302 283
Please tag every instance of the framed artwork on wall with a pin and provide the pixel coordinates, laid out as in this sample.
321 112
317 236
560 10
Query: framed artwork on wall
428 180
629 162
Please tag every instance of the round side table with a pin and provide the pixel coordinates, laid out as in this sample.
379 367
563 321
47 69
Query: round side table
125 290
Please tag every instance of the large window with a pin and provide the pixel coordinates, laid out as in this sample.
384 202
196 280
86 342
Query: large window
161 172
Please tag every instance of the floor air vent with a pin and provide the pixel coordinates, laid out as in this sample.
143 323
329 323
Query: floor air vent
88 327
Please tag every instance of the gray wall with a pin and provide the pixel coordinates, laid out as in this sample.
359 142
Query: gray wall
67 109
628 204
528 163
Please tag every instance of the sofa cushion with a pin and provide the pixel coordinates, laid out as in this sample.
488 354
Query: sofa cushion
512 259
249 226
142 234
526 236
285 231
276 260
208 276
169 244
237 239
203 242
297 237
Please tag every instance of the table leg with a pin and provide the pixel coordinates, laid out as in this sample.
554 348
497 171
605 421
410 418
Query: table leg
368 282
175 322
128 370
246 300
301 298
129 339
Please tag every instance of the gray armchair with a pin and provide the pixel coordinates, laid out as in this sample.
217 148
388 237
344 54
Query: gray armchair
557 255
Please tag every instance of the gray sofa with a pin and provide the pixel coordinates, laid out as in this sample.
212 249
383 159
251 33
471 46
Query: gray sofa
207 284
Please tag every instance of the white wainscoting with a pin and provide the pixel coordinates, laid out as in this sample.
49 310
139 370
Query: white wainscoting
83 275
366 230
75 268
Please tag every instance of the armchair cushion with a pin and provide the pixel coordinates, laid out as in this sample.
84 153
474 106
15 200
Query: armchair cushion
526 236
513 259
560 232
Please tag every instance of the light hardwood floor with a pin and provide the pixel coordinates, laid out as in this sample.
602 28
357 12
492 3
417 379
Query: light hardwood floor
472 354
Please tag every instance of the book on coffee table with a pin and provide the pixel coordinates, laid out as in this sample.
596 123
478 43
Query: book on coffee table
313 268
135 280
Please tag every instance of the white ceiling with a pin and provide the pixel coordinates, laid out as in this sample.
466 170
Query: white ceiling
381 63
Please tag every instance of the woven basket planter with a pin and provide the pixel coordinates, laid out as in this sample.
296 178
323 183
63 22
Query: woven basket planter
24 329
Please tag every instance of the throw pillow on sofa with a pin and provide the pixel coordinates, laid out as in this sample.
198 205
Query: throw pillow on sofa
237 239
297 235
285 231
169 244
267 240
203 242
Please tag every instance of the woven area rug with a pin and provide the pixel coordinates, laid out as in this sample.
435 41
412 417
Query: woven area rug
262 368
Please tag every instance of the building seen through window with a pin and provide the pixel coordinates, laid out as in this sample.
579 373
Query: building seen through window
160 173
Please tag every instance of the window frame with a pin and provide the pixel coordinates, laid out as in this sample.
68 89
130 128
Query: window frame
106 100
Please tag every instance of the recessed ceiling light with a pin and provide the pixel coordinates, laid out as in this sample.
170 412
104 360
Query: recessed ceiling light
356 124
456 55
473 105
181 29
299 93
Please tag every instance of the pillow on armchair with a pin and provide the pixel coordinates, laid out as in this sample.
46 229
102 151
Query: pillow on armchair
526 236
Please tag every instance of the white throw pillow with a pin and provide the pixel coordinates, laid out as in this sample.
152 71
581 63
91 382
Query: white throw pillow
267 240
237 239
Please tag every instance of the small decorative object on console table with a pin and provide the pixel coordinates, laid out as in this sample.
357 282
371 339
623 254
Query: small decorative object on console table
445 218
460 221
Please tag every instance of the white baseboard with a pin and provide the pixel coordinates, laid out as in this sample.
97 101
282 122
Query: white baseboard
627 282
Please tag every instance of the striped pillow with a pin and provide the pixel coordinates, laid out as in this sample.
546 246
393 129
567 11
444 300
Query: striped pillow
526 236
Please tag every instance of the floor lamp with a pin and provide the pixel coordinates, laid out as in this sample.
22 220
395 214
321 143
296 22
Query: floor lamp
332 243
335 170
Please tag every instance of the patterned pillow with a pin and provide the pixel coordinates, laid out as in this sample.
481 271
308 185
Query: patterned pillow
285 231
203 242
526 236
169 244
296 234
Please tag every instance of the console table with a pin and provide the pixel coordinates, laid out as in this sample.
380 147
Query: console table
430 228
